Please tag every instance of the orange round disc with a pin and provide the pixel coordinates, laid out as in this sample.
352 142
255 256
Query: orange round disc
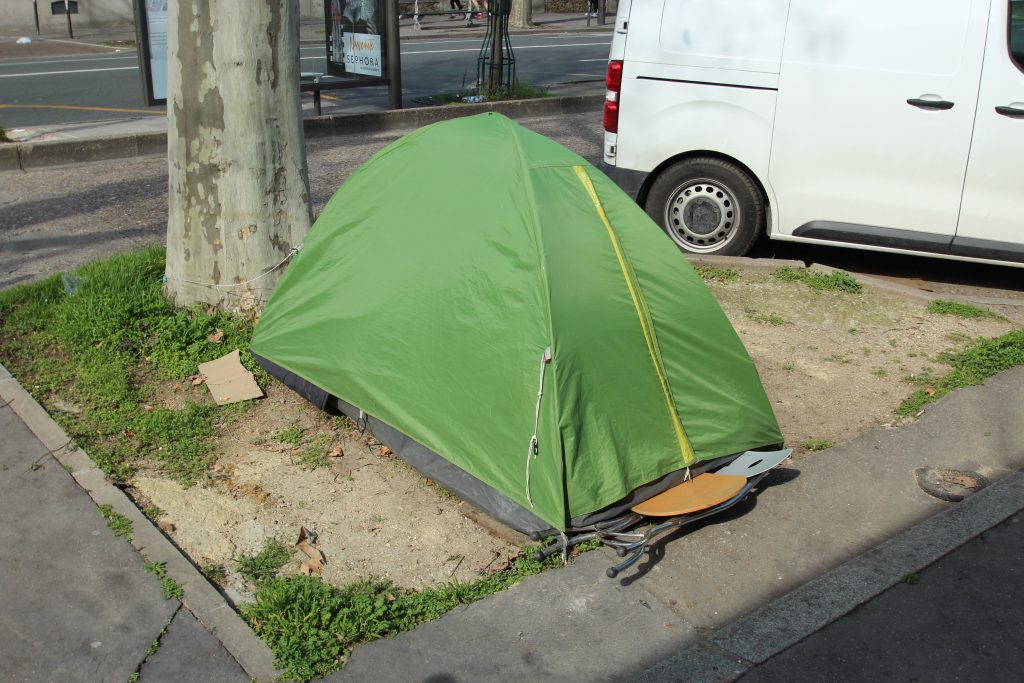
703 491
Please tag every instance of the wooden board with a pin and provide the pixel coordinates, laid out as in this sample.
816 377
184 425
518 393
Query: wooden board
703 491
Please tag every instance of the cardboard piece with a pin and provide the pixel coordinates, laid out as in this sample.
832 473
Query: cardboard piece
315 559
228 381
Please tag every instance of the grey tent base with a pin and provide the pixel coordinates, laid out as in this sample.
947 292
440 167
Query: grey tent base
462 483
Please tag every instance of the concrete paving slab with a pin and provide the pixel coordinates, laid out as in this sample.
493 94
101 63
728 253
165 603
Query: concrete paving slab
188 652
962 621
201 598
839 504
76 603
565 625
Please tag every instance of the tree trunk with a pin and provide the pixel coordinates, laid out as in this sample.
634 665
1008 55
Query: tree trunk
239 186
522 14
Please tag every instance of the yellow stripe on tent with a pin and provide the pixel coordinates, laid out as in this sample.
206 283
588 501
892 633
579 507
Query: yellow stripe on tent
642 313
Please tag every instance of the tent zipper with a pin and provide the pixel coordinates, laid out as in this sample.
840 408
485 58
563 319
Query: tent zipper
534 449
643 313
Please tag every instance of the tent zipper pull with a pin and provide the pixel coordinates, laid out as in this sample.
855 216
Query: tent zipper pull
534 450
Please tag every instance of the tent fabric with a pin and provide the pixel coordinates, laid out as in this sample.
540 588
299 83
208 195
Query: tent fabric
438 275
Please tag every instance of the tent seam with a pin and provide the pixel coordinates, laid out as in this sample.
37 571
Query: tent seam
646 323
546 289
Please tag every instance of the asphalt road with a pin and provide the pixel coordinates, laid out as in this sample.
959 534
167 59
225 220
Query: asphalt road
55 219
78 88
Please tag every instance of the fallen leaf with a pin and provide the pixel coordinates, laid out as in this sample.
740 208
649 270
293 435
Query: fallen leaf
335 452
196 379
215 337
165 526
210 310
385 452
930 391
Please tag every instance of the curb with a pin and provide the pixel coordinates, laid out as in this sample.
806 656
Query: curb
730 652
31 155
882 285
200 597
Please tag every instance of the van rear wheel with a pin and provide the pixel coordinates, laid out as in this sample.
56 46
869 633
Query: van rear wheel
708 206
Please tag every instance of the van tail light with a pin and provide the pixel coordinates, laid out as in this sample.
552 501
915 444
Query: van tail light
613 81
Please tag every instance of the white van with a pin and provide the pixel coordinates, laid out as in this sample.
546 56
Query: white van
892 126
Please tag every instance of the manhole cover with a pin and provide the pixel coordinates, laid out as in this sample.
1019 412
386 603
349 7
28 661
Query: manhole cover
947 484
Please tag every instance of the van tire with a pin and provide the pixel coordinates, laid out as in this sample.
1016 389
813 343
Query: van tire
708 206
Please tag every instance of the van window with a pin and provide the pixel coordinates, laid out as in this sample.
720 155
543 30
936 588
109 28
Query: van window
1016 34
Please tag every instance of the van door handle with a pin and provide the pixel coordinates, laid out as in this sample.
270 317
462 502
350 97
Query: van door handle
1012 112
930 104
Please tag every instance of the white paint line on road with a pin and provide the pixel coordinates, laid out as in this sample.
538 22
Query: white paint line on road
74 71
132 56
595 60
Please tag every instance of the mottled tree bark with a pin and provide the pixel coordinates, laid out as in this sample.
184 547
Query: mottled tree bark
239 186
521 15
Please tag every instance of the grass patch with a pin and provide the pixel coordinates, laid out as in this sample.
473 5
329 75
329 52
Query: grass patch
102 338
710 273
291 436
836 281
3 134
961 310
312 626
911 579
116 522
970 366
773 319
259 568
516 91
214 572
817 444
314 454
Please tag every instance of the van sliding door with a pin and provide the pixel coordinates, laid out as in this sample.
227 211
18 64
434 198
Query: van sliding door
873 123
992 215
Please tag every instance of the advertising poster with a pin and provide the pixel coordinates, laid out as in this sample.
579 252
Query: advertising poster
156 27
354 46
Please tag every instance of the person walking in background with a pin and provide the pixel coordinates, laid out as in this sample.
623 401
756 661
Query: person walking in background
591 8
455 5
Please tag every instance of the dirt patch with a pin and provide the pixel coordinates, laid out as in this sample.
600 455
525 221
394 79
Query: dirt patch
381 518
834 365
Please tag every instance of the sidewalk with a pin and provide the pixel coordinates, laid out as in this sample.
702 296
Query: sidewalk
435 27
822 537
76 602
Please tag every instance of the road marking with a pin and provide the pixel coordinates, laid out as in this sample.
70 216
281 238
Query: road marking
587 75
67 106
66 61
73 71
605 59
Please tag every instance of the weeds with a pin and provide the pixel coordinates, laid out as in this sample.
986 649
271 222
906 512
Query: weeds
264 566
214 572
773 319
817 444
172 590
709 273
291 436
911 579
312 626
837 281
97 338
970 366
314 455
116 522
945 307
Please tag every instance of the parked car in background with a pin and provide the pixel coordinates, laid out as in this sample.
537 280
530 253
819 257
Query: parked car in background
891 126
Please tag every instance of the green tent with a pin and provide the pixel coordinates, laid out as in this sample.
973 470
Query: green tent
498 312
